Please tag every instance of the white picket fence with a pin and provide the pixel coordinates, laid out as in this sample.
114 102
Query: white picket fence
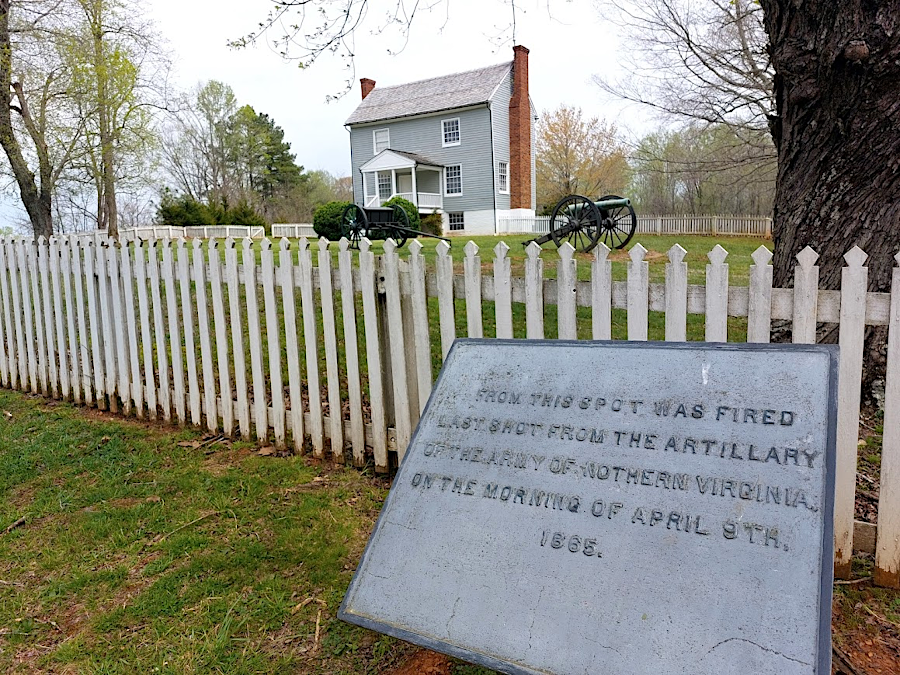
293 230
740 226
747 226
198 231
193 334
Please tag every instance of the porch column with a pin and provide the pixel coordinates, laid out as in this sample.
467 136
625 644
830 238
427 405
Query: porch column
365 194
415 199
393 182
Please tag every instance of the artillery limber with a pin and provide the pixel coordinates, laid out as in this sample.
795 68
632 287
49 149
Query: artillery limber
381 222
585 223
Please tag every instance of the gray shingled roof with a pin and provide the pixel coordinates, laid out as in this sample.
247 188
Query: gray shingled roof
418 159
432 95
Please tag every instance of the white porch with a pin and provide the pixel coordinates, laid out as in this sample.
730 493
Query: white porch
393 173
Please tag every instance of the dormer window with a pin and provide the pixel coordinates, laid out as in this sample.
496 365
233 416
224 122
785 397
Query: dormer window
381 138
450 130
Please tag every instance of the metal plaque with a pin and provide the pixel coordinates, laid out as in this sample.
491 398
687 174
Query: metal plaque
614 508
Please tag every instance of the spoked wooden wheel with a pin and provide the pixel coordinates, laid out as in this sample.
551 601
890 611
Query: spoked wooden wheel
617 224
400 218
354 224
575 219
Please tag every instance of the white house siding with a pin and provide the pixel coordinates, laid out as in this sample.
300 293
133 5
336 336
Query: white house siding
423 135
500 126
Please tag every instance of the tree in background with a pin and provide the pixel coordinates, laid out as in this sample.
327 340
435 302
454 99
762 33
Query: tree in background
35 137
77 73
215 149
116 63
702 170
575 155
696 61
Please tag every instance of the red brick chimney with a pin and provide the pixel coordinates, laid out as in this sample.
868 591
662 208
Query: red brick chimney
520 133
366 85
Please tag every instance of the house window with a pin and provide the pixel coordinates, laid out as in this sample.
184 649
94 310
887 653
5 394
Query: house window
453 179
382 139
503 177
385 188
450 131
457 221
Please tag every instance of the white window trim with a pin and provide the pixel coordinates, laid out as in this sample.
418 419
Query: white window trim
499 184
463 218
453 194
444 144
375 149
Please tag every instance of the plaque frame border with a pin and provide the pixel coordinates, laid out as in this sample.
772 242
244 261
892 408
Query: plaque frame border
826 570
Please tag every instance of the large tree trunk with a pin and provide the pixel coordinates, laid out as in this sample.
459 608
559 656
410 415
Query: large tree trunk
37 202
837 131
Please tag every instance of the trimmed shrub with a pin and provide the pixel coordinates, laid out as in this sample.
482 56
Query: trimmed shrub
432 224
184 211
327 220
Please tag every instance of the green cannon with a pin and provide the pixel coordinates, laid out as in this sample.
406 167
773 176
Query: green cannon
585 223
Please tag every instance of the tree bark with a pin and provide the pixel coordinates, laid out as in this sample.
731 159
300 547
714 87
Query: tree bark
837 131
37 201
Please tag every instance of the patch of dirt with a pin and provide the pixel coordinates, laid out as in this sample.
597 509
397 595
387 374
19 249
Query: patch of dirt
218 463
866 641
424 662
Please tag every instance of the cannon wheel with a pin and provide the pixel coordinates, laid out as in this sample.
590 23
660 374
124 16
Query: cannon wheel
401 219
354 224
581 214
618 224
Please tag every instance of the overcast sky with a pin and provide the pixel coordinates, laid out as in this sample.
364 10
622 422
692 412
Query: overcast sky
568 41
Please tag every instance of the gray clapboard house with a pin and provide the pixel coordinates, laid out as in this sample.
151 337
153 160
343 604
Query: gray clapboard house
460 145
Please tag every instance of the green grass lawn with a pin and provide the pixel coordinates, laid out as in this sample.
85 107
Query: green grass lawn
739 251
145 550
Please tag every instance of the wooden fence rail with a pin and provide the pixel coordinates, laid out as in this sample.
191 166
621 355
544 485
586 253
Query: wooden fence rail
342 357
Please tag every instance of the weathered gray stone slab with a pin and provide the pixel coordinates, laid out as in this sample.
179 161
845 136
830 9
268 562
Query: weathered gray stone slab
614 508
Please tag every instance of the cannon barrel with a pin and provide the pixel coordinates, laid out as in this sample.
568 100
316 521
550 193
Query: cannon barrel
605 204
612 203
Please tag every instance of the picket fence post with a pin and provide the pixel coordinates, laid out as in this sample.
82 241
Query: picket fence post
534 293
854 278
292 347
638 293
190 342
446 310
308 308
235 316
397 346
717 295
601 293
566 276
58 311
502 291
759 320
472 271
278 422
254 337
332 377
887 551
351 350
676 295
373 355
806 297
8 366
420 336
